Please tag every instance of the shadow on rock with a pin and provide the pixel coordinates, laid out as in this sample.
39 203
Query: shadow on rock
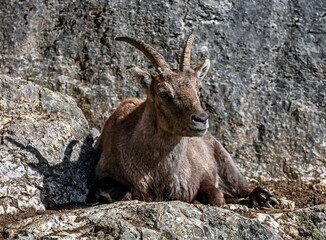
66 184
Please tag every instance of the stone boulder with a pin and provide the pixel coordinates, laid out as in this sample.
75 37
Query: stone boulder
136 220
46 155
173 220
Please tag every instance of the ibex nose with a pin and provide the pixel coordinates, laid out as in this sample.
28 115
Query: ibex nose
199 117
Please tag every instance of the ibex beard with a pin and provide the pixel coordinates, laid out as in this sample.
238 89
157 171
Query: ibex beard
158 149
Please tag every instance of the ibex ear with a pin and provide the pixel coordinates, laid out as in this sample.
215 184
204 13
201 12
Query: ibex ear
202 69
144 78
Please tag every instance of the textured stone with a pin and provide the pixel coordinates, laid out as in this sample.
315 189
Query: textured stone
265 91
172 220
309 223
136 220
46 155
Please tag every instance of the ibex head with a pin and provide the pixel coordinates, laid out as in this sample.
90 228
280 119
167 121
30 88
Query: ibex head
174 94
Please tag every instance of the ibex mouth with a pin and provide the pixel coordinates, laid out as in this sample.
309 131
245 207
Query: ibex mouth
198 132
199 129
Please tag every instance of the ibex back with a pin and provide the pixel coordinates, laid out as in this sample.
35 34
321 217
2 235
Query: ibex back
159 149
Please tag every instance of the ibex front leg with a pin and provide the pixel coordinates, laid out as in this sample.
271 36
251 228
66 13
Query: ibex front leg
209 194
237 189
107 190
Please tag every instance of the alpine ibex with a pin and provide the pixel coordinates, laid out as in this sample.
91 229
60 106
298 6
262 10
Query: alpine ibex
159 148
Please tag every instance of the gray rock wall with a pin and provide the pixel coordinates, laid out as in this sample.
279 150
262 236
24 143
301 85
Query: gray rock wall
265 91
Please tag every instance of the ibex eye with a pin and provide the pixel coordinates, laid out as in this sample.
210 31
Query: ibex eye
163 94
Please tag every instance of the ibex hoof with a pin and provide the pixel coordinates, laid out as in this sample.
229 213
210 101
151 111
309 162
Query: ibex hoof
262 198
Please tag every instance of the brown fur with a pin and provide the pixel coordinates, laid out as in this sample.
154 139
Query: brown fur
159 148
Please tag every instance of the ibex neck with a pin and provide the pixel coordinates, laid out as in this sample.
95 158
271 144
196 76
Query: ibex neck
161 143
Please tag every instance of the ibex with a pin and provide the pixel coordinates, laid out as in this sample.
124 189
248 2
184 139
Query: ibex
159 149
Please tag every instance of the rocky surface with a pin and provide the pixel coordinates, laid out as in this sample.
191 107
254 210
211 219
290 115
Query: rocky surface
46 156
265 91
173 220
135 220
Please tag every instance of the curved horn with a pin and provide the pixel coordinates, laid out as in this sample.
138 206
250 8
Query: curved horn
156 59
185 57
